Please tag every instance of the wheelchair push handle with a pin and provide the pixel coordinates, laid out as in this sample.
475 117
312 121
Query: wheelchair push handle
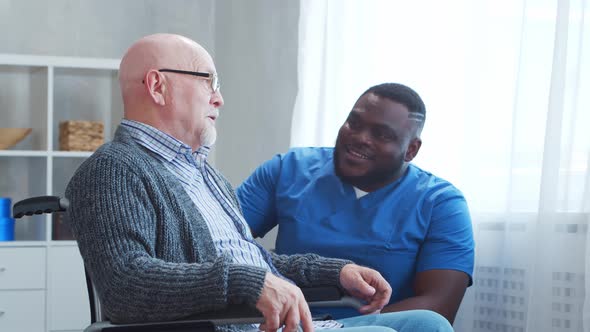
39 205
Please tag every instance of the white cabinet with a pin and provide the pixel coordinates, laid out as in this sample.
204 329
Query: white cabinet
67 295
22 310
22 268
22 289
42 285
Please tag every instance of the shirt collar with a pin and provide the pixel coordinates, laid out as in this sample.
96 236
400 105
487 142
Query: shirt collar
201 155
160 142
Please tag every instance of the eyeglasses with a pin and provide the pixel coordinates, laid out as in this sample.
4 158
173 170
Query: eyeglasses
212 77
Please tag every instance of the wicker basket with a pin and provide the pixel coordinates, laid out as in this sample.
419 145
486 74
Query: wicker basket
80 135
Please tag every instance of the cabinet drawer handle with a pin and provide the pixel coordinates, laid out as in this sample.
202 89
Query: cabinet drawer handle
2 269
1 313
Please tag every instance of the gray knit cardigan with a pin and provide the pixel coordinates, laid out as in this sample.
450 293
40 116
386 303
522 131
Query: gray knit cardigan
148 248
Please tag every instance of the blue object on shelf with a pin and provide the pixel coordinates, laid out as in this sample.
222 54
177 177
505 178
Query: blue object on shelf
6 221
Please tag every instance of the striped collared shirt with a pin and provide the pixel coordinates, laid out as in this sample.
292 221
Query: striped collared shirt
230 232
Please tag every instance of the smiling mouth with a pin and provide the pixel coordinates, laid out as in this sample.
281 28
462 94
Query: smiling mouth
357 154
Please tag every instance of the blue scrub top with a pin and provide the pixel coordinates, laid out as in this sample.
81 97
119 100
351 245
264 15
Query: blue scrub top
419 222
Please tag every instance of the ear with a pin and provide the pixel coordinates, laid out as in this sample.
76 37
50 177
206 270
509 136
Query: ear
155 84
413 149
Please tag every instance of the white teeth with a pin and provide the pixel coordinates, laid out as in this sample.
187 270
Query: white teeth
356 154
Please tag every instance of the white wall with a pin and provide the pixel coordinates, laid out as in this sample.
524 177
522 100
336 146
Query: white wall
103 28
256 55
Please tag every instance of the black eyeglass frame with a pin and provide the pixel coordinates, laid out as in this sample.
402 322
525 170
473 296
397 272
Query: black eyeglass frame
213 77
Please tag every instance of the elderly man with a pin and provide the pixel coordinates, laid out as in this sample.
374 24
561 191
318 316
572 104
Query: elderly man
364 200
160 230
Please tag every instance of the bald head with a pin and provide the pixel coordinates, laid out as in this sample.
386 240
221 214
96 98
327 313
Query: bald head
184 106
154 52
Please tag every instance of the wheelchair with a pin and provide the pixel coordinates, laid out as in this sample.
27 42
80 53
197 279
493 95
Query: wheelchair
203 322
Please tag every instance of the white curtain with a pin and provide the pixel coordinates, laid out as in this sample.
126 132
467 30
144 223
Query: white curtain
507 90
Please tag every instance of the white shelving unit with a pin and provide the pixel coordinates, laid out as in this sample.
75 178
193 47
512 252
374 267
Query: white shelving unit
42 286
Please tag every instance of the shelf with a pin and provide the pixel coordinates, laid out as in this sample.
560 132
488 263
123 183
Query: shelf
63 169
71 154
62 243
22 153
23 102
39 92
32 153
58 61
22 244
23 177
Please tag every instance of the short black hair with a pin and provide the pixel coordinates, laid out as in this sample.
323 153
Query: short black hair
402 94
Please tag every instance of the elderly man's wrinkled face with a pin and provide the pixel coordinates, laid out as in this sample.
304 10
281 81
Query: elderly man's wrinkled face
372 145
195 102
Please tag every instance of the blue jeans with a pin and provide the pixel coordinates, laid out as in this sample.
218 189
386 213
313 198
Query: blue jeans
402 321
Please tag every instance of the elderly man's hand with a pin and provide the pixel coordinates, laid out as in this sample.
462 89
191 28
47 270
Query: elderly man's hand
282 303
366 284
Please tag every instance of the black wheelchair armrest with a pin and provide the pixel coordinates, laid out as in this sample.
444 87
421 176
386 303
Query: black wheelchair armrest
176 326
39 205
329 296
316 294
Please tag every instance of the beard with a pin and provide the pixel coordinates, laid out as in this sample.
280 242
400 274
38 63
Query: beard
208 135
374 178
